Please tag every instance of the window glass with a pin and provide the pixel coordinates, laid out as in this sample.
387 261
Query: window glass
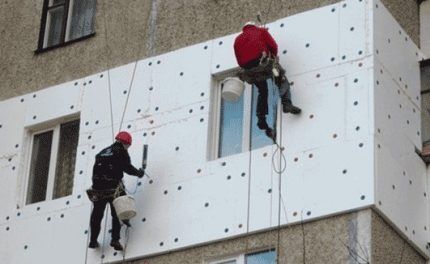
39 167
267 257
69 134
258 137
54 26
231 127
56 2
82 22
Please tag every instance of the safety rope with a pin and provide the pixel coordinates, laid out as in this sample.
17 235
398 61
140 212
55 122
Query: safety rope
88 234
280 171
128 94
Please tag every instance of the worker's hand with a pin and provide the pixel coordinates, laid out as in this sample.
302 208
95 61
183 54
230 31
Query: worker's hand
141 173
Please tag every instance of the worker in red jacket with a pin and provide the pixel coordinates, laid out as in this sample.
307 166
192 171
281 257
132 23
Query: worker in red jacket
251 47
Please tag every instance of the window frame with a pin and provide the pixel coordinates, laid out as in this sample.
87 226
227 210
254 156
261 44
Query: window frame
55 127
65 29
239 258
216 124
247 118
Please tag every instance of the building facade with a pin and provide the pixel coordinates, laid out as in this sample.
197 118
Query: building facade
347 188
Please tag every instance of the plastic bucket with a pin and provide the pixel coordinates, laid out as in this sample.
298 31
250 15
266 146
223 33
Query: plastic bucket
125 207
232 89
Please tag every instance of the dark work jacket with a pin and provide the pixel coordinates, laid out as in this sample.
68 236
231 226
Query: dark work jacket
109 166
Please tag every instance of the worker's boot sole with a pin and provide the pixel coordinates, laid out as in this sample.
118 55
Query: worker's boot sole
93 244
116 245
289 108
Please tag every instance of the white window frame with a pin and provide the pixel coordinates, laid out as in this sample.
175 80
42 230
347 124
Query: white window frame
56 128
216 119
240 259
68 24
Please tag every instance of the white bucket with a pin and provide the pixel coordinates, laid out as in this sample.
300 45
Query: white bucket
125 207
232 89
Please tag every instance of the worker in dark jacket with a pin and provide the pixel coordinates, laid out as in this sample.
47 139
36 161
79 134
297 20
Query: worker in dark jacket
252 46
108 170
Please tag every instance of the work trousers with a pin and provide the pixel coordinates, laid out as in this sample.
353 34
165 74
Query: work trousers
281 82
97 216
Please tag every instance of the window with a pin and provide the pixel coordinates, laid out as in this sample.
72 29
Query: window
52 162
236 122
65 21
262 257
425 101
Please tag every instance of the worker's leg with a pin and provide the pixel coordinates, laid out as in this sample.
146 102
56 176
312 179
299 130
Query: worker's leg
285 94
116 225
116 228
96 219
262 108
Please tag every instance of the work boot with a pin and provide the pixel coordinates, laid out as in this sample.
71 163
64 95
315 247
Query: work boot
93 244
290 108
116 245
262 124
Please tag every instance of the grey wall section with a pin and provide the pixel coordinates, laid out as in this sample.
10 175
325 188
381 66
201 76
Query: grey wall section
323 241
136 29
389 247
345 239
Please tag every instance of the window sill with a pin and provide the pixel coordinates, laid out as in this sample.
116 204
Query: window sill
42 50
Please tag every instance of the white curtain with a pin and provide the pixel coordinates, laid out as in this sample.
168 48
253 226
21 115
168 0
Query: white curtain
66 159
82 20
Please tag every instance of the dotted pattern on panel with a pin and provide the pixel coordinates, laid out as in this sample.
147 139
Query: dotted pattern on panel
11 127
401 188
184 161
325 98
397 119
341 168
8 177
189 200
40 107
390 41
156 208
400 184
177 83
264 189
29 243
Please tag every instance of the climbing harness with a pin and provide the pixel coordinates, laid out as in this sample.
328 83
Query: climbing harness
266 69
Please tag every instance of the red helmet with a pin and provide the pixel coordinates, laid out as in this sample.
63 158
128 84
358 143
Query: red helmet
124 137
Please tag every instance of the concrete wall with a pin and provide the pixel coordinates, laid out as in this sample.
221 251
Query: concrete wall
389 247
136 29
322 241
425 27
350 238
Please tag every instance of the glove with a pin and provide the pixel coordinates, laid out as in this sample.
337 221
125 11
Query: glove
141 173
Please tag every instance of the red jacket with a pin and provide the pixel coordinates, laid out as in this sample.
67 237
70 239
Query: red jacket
251 43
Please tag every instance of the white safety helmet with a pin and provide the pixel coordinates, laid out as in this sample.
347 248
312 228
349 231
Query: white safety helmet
250 23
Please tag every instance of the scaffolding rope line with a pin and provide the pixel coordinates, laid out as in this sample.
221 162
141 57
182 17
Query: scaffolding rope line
280 171
128 94
88 234
111 110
